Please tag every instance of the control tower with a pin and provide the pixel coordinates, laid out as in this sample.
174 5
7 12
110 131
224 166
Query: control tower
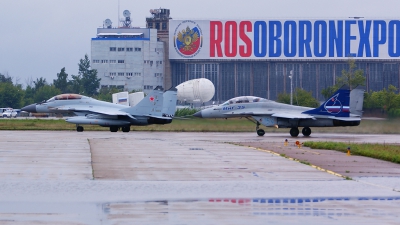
159 20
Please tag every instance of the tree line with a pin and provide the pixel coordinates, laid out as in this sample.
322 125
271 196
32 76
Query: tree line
384 102
86 83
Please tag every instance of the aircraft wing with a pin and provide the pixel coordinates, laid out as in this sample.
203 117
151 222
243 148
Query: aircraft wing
260 112
245 113
97 110
292 115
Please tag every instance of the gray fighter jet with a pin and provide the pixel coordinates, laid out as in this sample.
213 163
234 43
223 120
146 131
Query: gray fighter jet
158 107
344 108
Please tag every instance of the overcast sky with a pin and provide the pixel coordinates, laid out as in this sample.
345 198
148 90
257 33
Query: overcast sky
40 37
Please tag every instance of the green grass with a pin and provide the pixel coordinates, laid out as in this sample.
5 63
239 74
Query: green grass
202 125
385 152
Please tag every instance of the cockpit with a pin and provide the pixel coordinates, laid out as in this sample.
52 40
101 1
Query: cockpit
66 97
244 99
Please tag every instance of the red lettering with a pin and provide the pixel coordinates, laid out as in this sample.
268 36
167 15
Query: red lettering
215 38
230 39
245 50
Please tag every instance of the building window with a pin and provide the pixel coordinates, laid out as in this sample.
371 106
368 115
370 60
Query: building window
104 61
113 49
129 49
120 74
96 61
148 87
137 74
121 61
112 74
138 49
157 74
164 26
121 49
157 26
113 61
129 74
149 25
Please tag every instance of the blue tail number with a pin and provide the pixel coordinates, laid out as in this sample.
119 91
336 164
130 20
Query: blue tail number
337 105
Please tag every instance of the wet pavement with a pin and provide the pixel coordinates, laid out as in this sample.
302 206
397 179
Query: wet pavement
65 177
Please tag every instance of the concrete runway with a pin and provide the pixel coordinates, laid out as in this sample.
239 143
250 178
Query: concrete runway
65 177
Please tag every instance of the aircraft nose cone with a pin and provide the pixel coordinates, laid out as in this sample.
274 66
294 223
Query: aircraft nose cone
29 108
198 114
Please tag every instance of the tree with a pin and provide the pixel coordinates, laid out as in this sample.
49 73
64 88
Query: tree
300 98
40 82
62 81
10 95
105 93
75 85
45 93
89 81
29 95
351 77
5 79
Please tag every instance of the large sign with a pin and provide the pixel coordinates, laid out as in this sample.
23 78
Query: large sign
284 39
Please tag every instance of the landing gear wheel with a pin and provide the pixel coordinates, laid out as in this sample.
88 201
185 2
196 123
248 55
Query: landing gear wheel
306 131
113 129
294 131
79 128
260 132
126 129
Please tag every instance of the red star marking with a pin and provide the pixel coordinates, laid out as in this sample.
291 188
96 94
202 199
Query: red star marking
151 98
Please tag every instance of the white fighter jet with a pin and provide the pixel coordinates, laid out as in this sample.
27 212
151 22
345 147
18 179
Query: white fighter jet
158 107
343 108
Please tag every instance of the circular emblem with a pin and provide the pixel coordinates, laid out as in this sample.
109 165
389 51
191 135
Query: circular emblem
333 106
188 39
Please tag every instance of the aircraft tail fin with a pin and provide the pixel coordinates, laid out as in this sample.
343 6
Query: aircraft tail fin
337 105
357 100
152 104
169 103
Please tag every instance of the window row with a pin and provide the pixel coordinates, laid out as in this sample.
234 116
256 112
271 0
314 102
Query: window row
148 87
129 74
106 61
151 62
158 75
114 49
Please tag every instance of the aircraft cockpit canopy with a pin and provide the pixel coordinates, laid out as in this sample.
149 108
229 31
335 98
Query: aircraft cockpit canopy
244 99
65 97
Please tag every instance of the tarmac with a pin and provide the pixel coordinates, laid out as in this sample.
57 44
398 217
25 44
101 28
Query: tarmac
66 177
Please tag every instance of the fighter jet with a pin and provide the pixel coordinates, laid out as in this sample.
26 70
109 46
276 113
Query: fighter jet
156 108
343 108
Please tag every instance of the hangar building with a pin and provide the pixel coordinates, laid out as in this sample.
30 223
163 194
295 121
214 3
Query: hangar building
250 57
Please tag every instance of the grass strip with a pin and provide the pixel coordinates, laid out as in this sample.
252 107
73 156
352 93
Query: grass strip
201 125
385 152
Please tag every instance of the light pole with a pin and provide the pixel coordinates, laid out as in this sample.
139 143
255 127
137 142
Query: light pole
291 87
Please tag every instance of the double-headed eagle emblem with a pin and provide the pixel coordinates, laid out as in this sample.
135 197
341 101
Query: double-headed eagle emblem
188 37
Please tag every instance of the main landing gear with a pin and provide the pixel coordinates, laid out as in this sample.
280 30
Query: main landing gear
79 128
124 129
294 131
306 131
260 132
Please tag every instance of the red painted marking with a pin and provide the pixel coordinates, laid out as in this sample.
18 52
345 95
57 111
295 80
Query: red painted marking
151 98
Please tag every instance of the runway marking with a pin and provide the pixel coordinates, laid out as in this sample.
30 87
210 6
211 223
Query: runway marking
293 159
325 170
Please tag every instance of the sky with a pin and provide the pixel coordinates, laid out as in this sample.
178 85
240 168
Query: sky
38 38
